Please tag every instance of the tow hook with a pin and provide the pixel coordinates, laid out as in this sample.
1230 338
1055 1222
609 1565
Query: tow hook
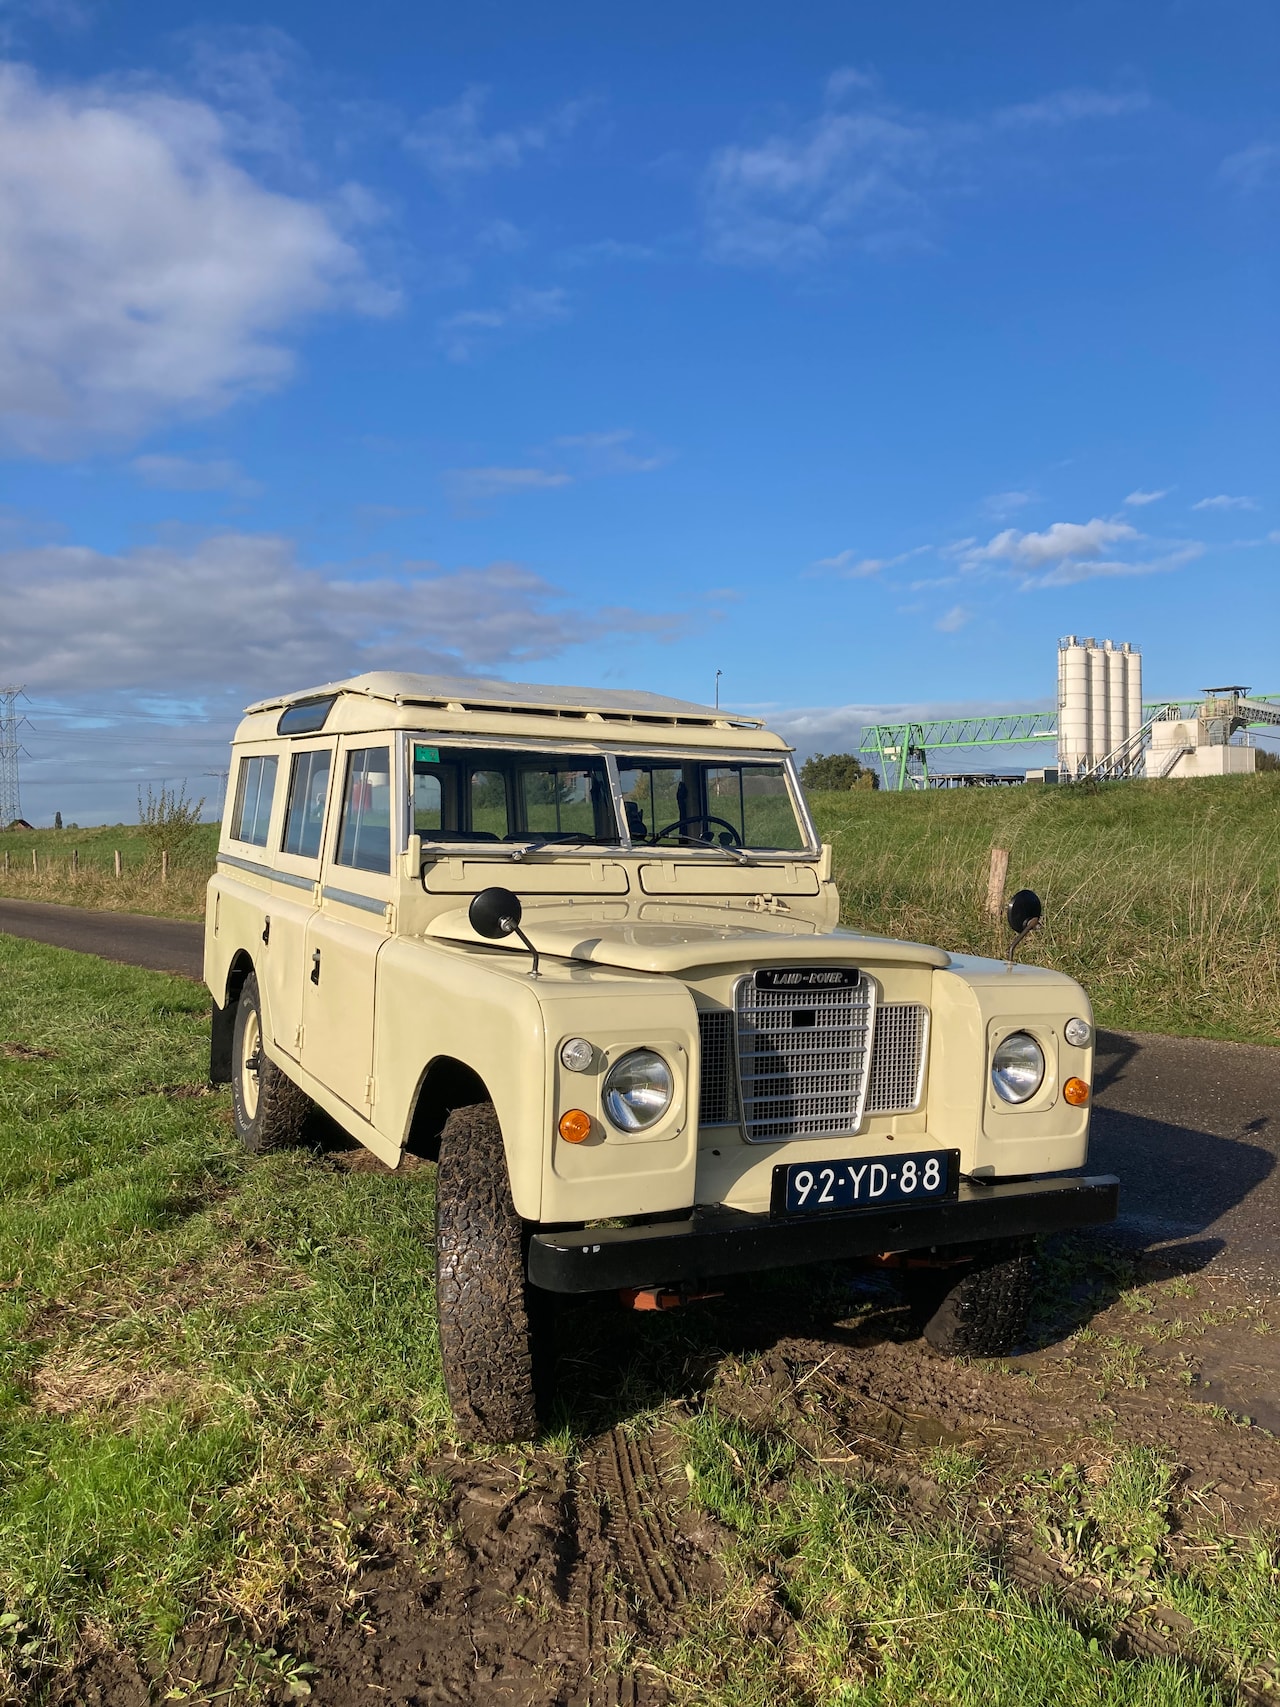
659 1298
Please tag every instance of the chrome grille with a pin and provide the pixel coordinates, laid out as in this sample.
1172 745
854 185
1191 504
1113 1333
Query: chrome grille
718 1100
897 1058
895 1084
803 1059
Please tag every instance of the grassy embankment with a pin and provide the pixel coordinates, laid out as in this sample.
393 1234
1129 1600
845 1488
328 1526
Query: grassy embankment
139 889
1163 899
209 1364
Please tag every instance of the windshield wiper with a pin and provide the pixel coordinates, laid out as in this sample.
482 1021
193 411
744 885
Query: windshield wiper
577 840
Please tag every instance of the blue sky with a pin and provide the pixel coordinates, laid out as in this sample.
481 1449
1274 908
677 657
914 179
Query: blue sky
858 352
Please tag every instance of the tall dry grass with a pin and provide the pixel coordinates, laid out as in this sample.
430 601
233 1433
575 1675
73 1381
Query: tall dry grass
1162 899
140 888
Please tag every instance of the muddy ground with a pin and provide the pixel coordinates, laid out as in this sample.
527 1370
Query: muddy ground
552 1567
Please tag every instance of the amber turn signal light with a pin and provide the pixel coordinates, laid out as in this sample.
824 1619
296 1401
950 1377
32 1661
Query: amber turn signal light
575 1125
1076 1092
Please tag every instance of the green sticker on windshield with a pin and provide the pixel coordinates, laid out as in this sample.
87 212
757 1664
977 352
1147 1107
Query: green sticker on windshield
426 755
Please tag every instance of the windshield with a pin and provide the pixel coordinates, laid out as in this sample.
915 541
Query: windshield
469 795
680 802
473 794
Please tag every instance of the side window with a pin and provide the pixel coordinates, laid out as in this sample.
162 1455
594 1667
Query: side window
304 817
255 789
364 840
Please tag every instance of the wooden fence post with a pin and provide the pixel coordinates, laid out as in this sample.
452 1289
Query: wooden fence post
117 862
164 865
35 862
75 862
996 881
6 862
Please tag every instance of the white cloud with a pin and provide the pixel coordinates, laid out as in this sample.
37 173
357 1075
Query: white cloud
1057 543
1072 106
1252 168
1070 552
1001 504
852 566
1139 498
614 452
863 172
191 474
524 310
953 620
144 275
238 615
472 485
784 200
452 144
1223 502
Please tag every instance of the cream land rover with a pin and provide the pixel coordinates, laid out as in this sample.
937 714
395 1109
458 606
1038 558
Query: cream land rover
581 948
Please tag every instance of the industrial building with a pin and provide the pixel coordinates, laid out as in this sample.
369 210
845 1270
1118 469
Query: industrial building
1103 729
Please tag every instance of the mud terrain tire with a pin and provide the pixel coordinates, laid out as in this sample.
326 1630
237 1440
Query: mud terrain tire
490 1339
267 1107
985 1313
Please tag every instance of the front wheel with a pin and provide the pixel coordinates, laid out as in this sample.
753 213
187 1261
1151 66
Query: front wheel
267 1107
985 1314
490 1347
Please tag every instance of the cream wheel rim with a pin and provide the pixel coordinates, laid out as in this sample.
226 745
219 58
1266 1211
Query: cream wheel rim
250 1065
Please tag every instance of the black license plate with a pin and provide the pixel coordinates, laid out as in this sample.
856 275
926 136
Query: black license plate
922 1176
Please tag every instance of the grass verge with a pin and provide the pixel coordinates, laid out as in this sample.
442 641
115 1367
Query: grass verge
203 1364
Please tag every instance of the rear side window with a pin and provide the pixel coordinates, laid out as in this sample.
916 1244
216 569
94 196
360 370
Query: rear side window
364 841
304 817
255 789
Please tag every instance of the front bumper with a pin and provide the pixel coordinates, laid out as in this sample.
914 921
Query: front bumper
718 1241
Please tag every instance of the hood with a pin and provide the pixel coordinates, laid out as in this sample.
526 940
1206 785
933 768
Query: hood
639 946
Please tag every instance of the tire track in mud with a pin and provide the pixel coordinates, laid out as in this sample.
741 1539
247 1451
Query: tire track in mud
871 1449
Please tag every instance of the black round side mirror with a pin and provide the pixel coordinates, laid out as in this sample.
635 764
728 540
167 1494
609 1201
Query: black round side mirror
495 912
1024 909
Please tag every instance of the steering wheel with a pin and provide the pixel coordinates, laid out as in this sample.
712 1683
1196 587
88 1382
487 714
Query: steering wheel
706 818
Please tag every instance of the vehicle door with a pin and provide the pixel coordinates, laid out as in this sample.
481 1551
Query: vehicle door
353 920
296 890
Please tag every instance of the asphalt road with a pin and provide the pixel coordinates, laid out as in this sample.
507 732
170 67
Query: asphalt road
1192 1128
161 945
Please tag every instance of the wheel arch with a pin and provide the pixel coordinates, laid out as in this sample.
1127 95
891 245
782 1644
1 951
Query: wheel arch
446 1083
223 1022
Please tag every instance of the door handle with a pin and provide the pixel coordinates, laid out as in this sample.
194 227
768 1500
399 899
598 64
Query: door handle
315 965
266 929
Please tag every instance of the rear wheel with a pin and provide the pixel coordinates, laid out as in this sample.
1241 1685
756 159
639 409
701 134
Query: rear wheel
491 1343
985 1313
268 1108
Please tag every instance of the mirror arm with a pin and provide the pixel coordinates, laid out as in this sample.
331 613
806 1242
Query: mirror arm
516 931
1021 937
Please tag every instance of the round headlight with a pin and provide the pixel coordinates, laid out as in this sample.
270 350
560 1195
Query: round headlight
576 1054
1078 1033
1017 1067
637 1090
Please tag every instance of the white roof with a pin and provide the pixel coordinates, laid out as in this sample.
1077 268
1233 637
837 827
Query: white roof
404 688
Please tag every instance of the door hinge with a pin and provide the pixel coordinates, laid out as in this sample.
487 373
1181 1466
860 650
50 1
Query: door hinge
368 1092
297 1039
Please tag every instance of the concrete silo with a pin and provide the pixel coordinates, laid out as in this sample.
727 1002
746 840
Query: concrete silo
1099 701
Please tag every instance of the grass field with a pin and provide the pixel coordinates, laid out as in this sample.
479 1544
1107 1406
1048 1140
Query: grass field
1163 899
219 1387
